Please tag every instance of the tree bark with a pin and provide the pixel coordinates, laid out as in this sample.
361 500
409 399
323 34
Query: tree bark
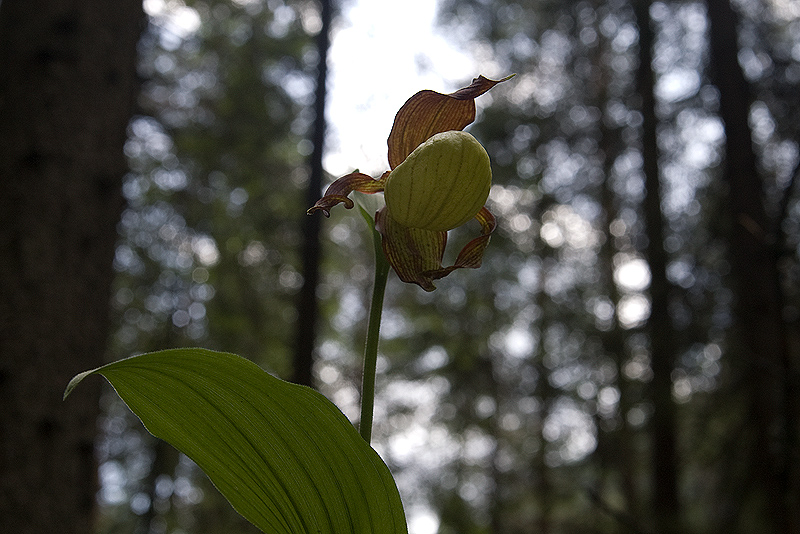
307 307
663 427
758 341
67 89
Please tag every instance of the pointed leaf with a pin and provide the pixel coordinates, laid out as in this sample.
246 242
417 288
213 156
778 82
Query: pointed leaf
284 456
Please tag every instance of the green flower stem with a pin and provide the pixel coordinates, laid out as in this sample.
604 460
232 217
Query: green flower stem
373 333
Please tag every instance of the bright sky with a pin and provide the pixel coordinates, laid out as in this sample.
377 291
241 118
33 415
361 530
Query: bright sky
381 54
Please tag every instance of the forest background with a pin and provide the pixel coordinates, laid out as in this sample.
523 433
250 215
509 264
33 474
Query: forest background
627 359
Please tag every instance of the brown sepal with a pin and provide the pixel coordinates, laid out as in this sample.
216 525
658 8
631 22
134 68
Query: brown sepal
416 254
339 190
428 113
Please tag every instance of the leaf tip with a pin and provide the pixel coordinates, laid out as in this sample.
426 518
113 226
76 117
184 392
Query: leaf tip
77 379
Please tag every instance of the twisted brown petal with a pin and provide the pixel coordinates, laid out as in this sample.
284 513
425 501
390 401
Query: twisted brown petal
471 256
428 113
338 191
411 251
416 254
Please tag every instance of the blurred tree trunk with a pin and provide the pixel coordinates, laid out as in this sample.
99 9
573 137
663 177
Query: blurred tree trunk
67 90
759 336
540 473
659 325
615 452
307 306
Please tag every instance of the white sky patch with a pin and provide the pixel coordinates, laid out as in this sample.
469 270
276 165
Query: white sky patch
178 20
423 521
633 275
519 343
205 248
677 85
381 54
633 310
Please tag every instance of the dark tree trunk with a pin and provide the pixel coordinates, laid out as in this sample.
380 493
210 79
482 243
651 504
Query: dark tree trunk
758 340
615 450
307 307
67 89
659 325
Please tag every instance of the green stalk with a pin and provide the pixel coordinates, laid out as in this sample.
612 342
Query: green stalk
373 333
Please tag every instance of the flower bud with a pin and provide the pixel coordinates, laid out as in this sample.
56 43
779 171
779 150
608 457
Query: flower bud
442 184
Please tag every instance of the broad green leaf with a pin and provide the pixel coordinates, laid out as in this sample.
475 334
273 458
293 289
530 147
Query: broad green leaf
284 456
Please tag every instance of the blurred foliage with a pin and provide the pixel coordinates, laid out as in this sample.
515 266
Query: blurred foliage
216 168
208 244
545 357
514 397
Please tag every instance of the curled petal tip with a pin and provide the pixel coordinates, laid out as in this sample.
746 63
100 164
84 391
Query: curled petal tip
479 86
337 192
327 202
313 209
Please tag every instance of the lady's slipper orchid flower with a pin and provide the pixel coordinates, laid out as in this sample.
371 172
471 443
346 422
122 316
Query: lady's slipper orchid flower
439 180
